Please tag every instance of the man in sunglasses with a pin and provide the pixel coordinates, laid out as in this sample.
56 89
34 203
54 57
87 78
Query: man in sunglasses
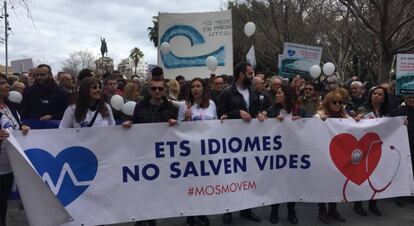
408 111
155 107
44 100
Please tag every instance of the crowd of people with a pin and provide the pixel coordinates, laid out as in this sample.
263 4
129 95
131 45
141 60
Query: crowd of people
84 101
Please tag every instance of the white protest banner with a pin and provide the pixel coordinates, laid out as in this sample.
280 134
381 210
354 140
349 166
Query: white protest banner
192 37
251 57
279 61
298 59
41 205
405 74
110 175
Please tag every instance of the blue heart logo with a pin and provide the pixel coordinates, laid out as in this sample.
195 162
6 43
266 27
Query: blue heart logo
291 52
68 174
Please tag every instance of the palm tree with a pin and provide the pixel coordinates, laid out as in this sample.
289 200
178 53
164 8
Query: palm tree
135 55
153 31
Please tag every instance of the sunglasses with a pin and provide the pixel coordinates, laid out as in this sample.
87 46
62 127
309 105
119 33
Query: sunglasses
159 89
308 89
41 74
336 102
96 87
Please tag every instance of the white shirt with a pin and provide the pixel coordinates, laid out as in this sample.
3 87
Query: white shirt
245 93
69 121
198 113
9 123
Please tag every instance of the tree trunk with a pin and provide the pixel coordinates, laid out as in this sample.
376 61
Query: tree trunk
384 68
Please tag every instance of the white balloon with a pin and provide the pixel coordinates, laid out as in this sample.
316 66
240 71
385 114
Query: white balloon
328 68
165 48
315 71
129 108
117 102
211 63
15 97
249 29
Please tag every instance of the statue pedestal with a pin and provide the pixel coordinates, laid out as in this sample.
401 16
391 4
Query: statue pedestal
104 65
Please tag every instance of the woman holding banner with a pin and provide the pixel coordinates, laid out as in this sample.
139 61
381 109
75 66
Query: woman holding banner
283 108
9 121
377 107
197 107
90 108
332 107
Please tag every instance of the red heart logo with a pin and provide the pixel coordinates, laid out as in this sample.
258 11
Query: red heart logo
342 147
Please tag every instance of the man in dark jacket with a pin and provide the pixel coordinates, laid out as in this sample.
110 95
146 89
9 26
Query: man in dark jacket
44 100
356 103
407 110
154 108
238 102
217 87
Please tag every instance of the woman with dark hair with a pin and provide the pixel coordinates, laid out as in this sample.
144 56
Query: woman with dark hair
377 104
285 104
284 107
90 108
198 105
9 121
376 107
332 107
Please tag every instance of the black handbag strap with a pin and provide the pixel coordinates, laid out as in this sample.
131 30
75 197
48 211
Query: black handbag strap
94 117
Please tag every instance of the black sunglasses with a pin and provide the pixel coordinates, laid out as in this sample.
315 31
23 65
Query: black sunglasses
154 88
336 102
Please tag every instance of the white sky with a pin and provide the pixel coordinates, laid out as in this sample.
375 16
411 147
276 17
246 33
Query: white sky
61 27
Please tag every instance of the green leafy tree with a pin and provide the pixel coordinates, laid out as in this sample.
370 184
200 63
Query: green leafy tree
135 55
153 31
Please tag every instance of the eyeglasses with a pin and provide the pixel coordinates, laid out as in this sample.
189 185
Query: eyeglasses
96 87
2 82
308 89
42 74
159 89
335 102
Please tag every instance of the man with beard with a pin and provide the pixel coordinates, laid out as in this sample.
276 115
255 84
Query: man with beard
238 102
44 100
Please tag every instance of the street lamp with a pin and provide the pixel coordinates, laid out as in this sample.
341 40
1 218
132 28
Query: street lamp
7 28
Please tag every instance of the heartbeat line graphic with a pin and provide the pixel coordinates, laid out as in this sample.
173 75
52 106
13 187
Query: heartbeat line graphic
65 170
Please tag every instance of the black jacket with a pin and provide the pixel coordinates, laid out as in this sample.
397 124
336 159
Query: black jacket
40 100
230 102
146 113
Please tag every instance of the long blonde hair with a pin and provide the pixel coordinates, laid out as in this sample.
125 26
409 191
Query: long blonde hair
325 110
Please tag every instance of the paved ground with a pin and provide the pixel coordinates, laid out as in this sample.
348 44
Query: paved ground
307 215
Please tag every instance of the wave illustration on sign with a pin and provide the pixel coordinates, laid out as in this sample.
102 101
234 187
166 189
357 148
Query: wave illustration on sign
170 60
